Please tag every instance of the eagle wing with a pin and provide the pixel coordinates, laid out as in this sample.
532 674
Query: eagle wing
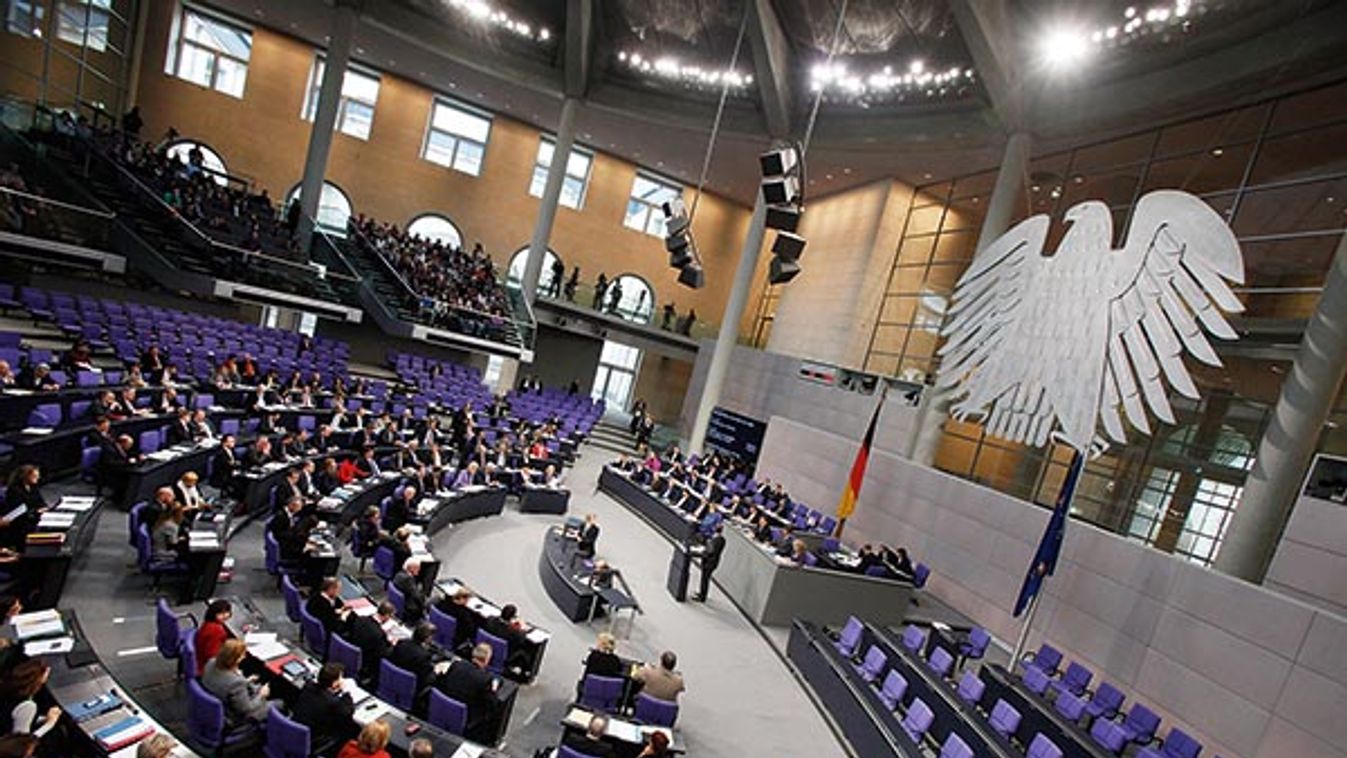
1169 285
980 353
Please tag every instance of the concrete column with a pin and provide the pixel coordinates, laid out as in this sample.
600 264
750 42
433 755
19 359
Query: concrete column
1000 210
344 18
547 208
729 325
509 371
1293 433
137 58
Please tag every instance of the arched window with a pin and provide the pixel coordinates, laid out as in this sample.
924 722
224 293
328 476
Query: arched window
334 208
516 274
214 164
435 228
636 301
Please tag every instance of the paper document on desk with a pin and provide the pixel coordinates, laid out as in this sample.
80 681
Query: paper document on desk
371 712
267 649
537 636
163 455
55 646
203 541
43 627
578 717
38 430
56 520
625 731
468 750
77 504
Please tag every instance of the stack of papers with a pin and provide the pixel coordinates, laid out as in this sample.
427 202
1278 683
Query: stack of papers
56 520
468 750
37 430
77 503
202 540
264 645
54 646
167 454
537 636
29 626
370 712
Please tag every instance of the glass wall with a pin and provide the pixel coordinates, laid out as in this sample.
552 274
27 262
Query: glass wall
1277 171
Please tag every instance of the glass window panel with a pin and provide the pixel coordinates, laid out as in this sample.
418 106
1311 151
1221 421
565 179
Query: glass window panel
1204 134
1301 155
520 261
964 214
469 158
890 339
1317 206
1201 173
578 164
440 148
907 280
882 364
24 17
925 220
1119 152
357 120
437 229
217 36
230 76
545 150
955 246
196 65
942 277
334 208
955 454
572 191
636 214
358 86
977 184
1320 106
898 310
539 181
916 249
209 158
1113 188
461 122
637 301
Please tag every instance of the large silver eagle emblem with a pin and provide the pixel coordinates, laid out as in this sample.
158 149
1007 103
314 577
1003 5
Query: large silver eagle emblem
1041 346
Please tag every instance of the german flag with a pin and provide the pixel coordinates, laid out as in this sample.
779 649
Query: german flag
847 505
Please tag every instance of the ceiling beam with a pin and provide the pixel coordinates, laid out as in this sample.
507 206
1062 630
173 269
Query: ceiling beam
987 27
771 61
579 50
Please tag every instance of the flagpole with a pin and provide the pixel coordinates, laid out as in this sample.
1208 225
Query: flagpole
866 443
1072 479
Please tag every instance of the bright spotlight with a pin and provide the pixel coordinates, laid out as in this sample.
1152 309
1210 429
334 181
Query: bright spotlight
1064 46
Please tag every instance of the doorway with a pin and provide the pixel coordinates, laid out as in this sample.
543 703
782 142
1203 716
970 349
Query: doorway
616 376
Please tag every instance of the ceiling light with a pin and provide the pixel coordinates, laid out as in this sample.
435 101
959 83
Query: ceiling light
1218 152
917 66
1062 47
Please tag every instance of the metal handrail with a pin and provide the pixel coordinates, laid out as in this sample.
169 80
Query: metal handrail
49 201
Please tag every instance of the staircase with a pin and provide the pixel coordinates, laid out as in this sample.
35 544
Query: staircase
611 437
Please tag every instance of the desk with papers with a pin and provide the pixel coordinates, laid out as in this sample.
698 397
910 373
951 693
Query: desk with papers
62 533
536 636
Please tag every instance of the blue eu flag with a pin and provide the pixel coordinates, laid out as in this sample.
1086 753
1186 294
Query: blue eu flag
1045 559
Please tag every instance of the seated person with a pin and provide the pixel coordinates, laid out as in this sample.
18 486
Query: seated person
23 493
180 430
591 741
285 526
370 743
226 464
38 378
212 633
470 683
509 627
244 702
325 604
456 606
662 681
415 656
367 633
167 537
414 595
325 708
603 659
201 428
325 480
762 531
260 455
469 476
186 492
401 509
898 562
105 404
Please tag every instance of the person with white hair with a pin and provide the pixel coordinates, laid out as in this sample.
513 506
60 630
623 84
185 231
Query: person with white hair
414 598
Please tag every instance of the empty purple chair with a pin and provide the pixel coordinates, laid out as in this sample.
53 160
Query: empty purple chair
914 639
873 665
895 686
349 656
1074 680
970 688
447 713
918 720
941 662
601 692
975 646
1047 659
315 636
286 738
46 416
850 637
1004 718
1109 736
1140 724
955 747
1042 747
920 574
654 711
1105 702
1035 680
1177 744
1070 706
397 686
149 441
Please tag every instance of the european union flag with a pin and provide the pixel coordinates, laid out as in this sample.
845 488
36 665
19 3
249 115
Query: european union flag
1045 559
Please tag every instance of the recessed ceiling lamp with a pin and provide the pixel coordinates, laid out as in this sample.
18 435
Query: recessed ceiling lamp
671 68
915 78
484 12
1064 47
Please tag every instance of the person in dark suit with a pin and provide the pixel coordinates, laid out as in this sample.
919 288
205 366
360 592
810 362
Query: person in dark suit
510 628
414 596
326 606
400 509
711 559
456 605
325 709
22 492
414 655
284 526
367 633
591 742
226 464
259 455
588 537
180 430
103 404
288 488
762 532
603 659
115 463
472 685
325 480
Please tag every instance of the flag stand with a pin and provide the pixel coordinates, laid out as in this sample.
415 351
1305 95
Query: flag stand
1063 505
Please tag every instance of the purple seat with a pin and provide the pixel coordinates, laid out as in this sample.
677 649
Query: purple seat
1047 659
914 639
850 637
1074 680
1140 724
349 656
941 662
1035 680
149 441
79 409
168 631
500 650
447 713
918 720
1070 706
46 416
873 665
1109 736
567 752
975 646
1177 744
293 604
955 747
970 688
1004 718
89 458
397 686
315 636
1105 702
601 692
397 598
153 567
895 686
286 738
383 564
206 720
920 574
1042 747
229 426
446 627
652 710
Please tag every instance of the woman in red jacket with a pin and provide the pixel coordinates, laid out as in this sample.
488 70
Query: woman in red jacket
212 632
370 744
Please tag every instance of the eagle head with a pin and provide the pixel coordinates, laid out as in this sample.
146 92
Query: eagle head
1089 225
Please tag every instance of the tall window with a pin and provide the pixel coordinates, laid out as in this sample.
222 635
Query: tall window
211 52
24 17
645 209
359 94
211 160
514 275
83 22
616 375
577 173
436 228
334 208
635 299
457 136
